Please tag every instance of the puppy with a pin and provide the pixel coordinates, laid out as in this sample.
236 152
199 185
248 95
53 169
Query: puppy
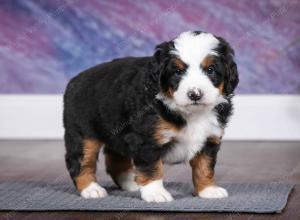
167 108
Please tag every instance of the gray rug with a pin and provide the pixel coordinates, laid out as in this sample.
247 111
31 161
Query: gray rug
244 197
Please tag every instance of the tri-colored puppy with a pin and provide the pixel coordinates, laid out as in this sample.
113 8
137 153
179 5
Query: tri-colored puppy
167 108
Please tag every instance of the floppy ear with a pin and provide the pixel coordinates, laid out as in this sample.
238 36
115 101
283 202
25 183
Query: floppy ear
232 77
162 51
160 57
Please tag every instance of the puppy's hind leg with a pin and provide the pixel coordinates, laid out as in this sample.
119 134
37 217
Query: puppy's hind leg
121 170
81 159
149 178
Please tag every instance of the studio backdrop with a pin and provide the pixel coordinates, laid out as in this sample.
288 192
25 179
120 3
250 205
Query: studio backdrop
43 44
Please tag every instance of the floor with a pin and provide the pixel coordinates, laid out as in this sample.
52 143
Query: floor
238 162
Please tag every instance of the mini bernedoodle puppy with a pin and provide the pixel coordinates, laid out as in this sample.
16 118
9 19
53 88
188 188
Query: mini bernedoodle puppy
167 108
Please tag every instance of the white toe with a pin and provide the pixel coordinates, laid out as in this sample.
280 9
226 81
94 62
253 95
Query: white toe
213 192
155 192
94 190
126 181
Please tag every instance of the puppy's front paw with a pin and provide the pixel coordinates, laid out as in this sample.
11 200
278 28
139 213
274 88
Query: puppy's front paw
94 190
213 192
155 192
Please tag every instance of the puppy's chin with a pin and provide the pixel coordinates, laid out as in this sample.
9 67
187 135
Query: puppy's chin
194 108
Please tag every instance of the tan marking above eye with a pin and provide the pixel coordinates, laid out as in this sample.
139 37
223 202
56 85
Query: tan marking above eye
207 61
180 64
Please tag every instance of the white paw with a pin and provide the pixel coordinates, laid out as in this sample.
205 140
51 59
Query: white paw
155 192
126 181
213 192
94 190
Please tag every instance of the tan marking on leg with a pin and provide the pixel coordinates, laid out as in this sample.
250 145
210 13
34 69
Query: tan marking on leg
202 173
143 179
87 173
164 131
116 164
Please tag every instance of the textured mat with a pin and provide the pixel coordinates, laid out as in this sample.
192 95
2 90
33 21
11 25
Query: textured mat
41 196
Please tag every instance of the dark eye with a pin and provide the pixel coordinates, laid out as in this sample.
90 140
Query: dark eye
178 72
211 70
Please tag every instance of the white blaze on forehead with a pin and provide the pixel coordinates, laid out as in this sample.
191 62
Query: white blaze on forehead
192 48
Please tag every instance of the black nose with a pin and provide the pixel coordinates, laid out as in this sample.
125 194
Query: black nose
195 94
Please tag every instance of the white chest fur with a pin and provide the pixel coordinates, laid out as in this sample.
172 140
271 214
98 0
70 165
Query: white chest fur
190 139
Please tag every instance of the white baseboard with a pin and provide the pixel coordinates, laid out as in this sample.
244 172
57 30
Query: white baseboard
256 117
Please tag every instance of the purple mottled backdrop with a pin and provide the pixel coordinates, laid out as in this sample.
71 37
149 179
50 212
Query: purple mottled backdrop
43 43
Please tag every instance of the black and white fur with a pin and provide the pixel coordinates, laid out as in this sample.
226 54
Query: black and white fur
121 102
